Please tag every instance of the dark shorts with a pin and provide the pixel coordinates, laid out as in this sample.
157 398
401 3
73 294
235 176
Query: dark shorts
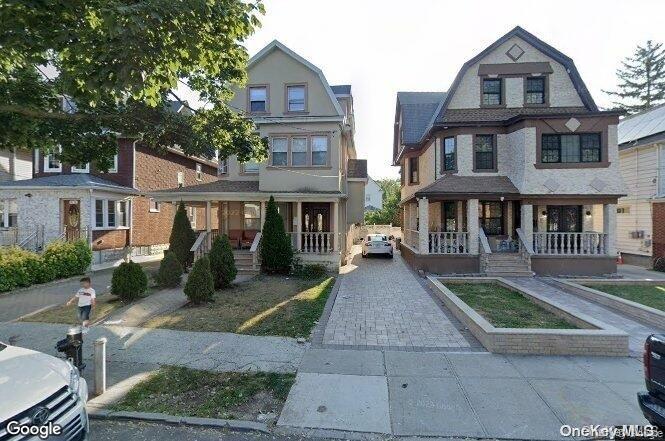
84 312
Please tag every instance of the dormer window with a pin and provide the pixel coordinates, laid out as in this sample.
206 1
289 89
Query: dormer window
492 93
51 162
535 90
81 168
258 99
296 96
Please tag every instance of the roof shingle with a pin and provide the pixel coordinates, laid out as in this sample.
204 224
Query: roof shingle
455 184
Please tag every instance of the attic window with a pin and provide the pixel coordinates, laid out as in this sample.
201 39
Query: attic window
535 90
296 98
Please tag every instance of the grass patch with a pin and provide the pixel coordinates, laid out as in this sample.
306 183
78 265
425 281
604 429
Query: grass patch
505 308
106 305
229 395
647 295
264 305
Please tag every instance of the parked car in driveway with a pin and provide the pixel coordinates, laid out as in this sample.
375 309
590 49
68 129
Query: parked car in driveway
652 402
42 396
377 244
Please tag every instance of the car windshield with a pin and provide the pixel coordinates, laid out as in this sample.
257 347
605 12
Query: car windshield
377 238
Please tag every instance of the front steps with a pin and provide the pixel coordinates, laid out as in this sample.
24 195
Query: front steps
243 260
506 265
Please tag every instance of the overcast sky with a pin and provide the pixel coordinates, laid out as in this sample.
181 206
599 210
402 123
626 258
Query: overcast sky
384 46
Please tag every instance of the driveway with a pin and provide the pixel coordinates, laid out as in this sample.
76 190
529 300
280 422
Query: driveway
381 303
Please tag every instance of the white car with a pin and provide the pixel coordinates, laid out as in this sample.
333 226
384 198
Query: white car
42 397
377 244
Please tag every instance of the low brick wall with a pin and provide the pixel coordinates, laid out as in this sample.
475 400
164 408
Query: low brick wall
596 339
441 263
573 265
637 311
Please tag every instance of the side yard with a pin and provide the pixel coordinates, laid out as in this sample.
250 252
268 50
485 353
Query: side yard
648 295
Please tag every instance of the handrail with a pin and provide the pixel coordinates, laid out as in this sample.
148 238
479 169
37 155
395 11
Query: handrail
199 241
484 243
255 242
523 242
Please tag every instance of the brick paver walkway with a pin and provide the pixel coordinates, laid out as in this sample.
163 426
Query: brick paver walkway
380 303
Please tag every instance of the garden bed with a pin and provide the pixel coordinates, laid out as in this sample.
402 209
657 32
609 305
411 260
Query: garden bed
509 319
264 305
182 391
652 296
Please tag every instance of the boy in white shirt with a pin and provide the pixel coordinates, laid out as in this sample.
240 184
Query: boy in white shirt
86 300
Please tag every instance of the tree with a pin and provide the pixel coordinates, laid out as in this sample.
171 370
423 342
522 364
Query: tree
182 237
641 79
222 263
276 250
170 271
200 287
389 213
118 63
129 281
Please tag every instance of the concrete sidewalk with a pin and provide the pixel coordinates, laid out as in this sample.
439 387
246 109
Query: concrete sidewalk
461 394
215 351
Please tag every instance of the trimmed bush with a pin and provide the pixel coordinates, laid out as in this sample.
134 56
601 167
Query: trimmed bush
310 271
200 286
129 281
68 259
170 271
182 237
276 250
222 263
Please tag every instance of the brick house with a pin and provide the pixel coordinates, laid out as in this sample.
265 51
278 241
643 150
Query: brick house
513 170
111 208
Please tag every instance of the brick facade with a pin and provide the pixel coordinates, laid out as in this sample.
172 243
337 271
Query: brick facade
109 239
658 225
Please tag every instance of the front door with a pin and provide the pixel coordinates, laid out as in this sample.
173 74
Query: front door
315 217
71 218
564 218
491 217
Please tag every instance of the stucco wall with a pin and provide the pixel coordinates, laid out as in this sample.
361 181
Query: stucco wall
426 171
355 204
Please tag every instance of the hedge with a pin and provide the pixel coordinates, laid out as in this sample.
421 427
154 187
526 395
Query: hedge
20 268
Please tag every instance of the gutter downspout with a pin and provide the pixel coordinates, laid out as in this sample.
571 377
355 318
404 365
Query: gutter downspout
131 201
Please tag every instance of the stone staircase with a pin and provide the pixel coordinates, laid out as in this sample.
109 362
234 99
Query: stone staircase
506 265
243 259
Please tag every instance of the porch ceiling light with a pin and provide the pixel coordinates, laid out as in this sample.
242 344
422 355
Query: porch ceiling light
543 213
588 213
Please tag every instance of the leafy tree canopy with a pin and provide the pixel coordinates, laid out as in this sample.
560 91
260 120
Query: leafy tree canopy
389 213
118 63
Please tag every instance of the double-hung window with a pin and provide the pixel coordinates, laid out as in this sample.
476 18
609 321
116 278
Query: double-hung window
114 167
492 92
448 162
280 147
8 213
535 90
483 152
298 151
296 95
319 150
52 163
570 148
413 170
111 213
81 168
199 172
258 99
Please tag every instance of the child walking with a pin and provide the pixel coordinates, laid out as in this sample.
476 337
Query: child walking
86 300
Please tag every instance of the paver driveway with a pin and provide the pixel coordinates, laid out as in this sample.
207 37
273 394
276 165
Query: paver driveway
381 303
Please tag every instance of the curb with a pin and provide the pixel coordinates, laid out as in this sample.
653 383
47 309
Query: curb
239 425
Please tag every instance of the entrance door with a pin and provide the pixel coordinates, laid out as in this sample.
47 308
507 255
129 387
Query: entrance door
491 217
315 217
564 218
71 218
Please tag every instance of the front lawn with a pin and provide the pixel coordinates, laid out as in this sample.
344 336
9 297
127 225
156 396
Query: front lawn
264 305
106 305
648 295
505 308
229 395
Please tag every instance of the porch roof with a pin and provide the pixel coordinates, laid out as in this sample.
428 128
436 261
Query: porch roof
469 186
62 181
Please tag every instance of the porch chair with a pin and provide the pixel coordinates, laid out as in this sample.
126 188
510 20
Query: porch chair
247 238
235 237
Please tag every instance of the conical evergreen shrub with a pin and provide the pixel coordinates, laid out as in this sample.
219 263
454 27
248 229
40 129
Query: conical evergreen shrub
276 250
182 237
222 264
129 281
170 271
200 287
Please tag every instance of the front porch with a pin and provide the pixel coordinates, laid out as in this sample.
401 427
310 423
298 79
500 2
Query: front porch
510 234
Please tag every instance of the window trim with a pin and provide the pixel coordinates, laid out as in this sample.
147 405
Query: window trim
443 154
502 93
287 151
311 150
180 179
157 205
494 153
546 90
249 102
286 98
223 167
258 204
244 171
410 171
114 169
116 211
47 168
602 150
4 220
308 151
199 171
75 169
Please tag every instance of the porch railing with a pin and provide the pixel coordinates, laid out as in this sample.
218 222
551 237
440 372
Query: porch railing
314 242
411 237
587 243
449 243
255 249
201 246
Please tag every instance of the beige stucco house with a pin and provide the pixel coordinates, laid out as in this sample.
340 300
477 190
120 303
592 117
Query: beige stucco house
312 170
512 170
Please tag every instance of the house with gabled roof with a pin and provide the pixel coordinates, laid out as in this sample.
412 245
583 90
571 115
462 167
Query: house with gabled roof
512 170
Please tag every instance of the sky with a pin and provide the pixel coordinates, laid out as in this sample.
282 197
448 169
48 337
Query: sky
384 46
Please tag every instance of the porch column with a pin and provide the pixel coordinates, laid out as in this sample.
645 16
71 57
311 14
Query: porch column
526 223
263 213
298 221
610 228
336 238
208 216
460 216
472 224
423 226
509 219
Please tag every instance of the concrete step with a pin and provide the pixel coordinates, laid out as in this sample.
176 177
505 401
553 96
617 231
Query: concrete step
509 274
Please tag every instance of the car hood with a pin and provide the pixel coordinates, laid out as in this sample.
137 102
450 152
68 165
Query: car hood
27 377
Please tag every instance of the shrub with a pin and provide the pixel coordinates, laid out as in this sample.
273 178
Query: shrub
182 237
276 250
68 259
310 271
200 286
170 271
222 263
129 281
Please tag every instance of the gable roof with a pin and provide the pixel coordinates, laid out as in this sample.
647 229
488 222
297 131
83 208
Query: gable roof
417 110
537 43
275 45
648 124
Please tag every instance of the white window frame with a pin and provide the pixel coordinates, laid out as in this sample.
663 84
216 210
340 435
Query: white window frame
312 151
199 172
47 165
4 212
191 215
250 171
114 169
116 211
157 205
223 166
181 179
81 170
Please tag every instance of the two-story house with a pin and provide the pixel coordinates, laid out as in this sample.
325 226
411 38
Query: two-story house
513 170
641 214
373 195
312 170
110 209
